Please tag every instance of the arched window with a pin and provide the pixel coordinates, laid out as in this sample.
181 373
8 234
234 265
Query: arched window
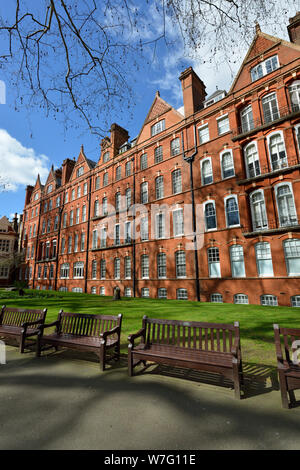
252 160
176 181
161 265
96 208
295 301
258 210
64 271
277 151
159 187
180 264
227 165
206 171
118 201
237 261
128 197
213 262
117 272
210 216
232 211
145 266
294 90
175 146
270 108
216 298
102 269
247 119
158 154
240 299
268 299
292 256
94 269
286 205
78 270
264 259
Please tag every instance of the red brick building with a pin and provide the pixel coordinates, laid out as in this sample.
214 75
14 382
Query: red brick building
10 255
226 168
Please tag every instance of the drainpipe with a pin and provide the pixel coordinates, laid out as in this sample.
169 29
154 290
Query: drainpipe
37 242
133 232
58 240
190 160
88 236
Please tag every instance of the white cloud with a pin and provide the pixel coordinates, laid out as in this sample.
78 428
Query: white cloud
19 165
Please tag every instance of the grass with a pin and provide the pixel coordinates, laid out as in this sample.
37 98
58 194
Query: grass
256 322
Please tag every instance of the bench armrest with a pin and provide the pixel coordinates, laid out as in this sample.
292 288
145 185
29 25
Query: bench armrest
48 325
235 350
29 323
114 330
133 337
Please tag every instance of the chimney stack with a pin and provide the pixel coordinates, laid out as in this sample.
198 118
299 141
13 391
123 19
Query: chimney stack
118 137
67 168
193 90
294 29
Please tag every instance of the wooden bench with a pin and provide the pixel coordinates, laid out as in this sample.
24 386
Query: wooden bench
95 333
287 363
20 324
195 345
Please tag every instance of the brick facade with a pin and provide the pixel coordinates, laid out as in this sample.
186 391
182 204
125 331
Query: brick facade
245 186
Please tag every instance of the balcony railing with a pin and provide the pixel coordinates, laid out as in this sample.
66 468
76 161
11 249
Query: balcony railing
265 120
285 223
283 167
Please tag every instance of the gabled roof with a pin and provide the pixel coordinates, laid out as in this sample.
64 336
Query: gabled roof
82 159
261 43
157 109
5 224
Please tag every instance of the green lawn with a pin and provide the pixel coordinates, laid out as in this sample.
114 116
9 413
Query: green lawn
256 322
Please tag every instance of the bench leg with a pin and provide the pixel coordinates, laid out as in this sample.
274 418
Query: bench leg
283 390
236 380
38 346
130 362
102 357
22 344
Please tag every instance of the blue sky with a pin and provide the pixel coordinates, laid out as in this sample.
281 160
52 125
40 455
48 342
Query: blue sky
30 142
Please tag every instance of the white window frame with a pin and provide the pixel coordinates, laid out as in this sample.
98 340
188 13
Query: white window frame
202 173
232 196
224 152
178 229
242 298
269 259
253 142
254 227
285 183
202 128
240 260
210 201
217 264
224 118
269 137
288 270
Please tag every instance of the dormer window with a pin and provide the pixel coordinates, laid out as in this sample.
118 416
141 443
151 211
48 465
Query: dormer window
214 98
80 171
264 68
158 127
